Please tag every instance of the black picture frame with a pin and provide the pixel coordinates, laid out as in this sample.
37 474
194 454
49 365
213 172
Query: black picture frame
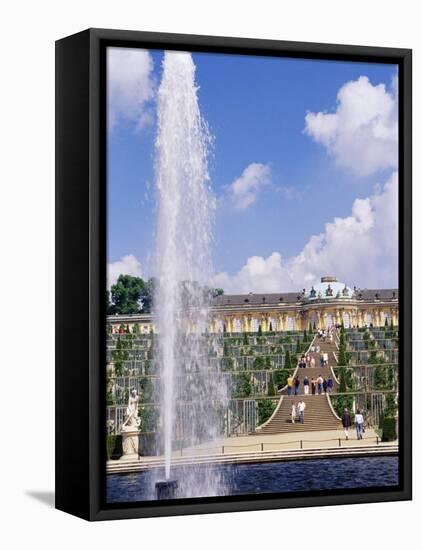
81 270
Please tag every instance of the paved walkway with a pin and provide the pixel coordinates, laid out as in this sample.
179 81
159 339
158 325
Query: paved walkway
260 449
284 441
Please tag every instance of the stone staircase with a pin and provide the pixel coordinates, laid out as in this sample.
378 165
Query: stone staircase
318 412
318 416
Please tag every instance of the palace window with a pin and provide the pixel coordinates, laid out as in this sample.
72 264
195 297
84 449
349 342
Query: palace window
291 323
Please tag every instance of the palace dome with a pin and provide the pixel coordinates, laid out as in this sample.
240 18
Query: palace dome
329 289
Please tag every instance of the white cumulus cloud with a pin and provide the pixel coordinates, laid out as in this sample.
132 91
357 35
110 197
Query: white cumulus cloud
130 86
127 265
362 134
257 275
360 249
245 189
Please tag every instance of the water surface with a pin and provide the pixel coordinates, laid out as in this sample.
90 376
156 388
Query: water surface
269 477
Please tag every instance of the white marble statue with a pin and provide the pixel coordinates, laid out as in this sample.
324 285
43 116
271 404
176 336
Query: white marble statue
132 421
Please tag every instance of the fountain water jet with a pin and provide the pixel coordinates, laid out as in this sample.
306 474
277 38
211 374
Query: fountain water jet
191 392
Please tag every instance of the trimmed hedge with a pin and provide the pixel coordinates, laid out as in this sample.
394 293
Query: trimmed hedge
114 447
389 429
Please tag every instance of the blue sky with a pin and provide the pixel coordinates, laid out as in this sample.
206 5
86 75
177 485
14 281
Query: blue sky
256 108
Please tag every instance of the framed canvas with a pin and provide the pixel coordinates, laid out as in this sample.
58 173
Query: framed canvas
233 274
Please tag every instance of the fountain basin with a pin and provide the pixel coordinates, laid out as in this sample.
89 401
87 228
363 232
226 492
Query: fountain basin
166 489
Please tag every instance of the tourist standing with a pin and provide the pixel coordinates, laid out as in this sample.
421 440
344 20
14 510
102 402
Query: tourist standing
306 385
301 408
324 385
293 413
325 357
296 384
330 385
312 361
320 380
308 360
313 386
359 424
346 420
289 385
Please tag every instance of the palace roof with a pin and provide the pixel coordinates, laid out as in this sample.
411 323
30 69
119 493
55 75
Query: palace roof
326 290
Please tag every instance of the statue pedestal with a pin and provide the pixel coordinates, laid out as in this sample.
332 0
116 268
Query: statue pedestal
130 443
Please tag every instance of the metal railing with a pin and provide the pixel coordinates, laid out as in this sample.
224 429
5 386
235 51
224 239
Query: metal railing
263 446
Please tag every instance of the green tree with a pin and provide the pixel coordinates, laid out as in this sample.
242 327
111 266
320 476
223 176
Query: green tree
373 358
342 385
259 363
266 408
259 330
381 376
340 402
146 390
287 360
390 408
119 355
147 295
280 377
126 295
241 385
343 357
271 388
149 418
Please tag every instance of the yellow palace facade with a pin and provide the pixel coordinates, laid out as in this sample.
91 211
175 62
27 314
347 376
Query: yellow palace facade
330 302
